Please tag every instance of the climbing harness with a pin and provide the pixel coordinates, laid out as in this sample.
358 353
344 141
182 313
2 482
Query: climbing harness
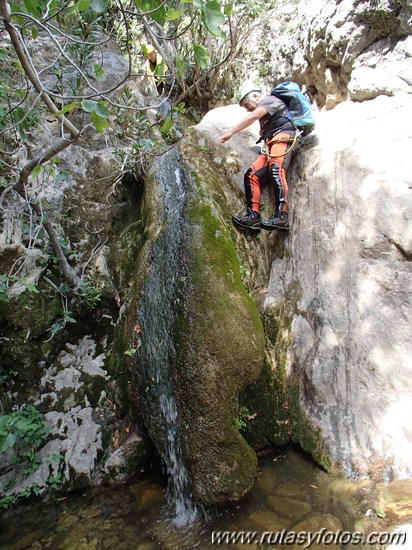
266 147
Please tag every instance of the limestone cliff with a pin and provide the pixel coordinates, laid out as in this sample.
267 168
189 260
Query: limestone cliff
339 293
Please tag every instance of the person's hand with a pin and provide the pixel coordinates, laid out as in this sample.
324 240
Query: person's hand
224 137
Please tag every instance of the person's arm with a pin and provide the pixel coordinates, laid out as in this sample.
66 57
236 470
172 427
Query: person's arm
247 121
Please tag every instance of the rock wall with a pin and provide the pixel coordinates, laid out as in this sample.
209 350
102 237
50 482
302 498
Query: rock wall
345 286
339 287
338 50
49 340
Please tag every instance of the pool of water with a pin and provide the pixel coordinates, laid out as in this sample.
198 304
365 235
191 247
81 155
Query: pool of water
291 494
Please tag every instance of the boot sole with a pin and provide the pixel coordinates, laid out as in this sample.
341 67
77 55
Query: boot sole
274 227
251 227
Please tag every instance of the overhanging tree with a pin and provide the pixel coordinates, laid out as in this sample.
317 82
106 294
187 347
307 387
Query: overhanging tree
197 38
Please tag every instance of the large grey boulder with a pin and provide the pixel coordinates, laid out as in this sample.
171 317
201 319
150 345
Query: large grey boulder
340 284
338 298
346 285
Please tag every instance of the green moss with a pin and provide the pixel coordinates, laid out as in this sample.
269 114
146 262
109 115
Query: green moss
216 270
33 312
220 352
267 399
304 433
267 402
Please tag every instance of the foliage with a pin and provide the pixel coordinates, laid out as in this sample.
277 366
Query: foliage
88 294
24 428
53 65
242 418
10 500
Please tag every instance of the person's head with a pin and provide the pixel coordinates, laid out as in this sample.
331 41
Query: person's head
250 95
250 102
151 53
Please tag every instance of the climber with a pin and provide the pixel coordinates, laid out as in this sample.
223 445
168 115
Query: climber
155 68
278 134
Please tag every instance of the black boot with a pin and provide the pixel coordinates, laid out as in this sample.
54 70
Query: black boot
279 220
250 221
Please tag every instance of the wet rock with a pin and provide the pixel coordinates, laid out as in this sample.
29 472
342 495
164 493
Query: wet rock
127 458
265 481
289 508
66 523
313 525
289 490
26 540
89 513
151 496
216 356
267 520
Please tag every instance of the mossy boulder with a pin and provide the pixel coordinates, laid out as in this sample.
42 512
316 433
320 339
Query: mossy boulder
218 339
223 349
223 353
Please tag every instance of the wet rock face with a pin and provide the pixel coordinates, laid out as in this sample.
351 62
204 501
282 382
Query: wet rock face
224 353
218 341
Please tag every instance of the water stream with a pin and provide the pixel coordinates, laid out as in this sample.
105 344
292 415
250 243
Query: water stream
156 315
290 493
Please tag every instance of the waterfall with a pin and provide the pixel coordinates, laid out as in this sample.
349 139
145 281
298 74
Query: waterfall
157 314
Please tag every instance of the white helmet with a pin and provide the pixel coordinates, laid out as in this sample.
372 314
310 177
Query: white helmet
247 88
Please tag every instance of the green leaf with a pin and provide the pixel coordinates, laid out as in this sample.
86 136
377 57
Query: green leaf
149 5
32 288
67 108
167 125
7 442
19 66
3 55
181 65
71 10
82 5
100 123
88 105
68 318
201 55
130 352
54 329
213 18
147 144
160 69
99 72
228 9
102 110
33 7
36 170
379 512
34 33
5 422
173 14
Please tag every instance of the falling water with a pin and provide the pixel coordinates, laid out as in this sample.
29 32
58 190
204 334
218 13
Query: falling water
157 314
